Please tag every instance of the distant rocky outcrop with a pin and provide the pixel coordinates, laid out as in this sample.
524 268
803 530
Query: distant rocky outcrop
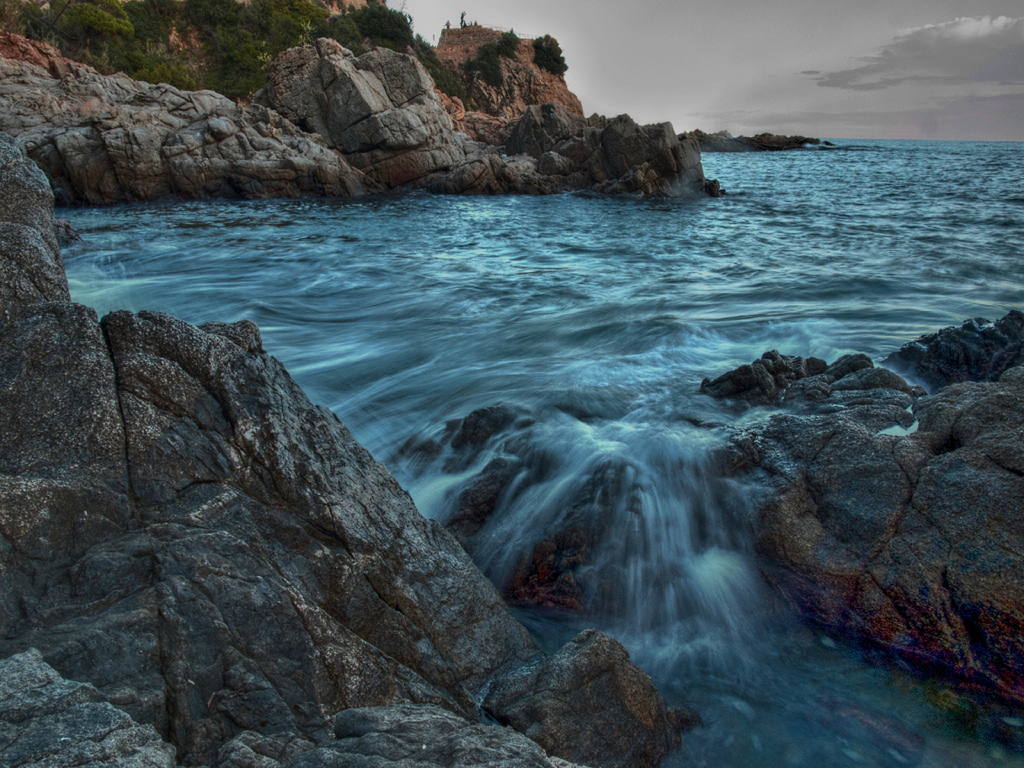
551 150
379 109
218 559
523 83
895 518
723 141
105 139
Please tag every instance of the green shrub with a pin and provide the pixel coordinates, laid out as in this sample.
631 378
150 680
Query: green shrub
444 78
10 18
547 54
343 29
384 27
84 21
507 45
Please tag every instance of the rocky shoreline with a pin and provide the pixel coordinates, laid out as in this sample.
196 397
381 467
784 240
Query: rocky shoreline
327 123
723 141
199 566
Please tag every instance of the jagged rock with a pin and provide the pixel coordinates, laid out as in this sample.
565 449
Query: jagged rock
764 381
379 109
612 156
46 720
104 139
907 539
425 736
183 530
523 83
976 351
564 703
723 141
31 269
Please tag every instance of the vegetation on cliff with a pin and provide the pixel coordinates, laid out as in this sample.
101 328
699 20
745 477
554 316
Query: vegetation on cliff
487 61
218 44
547 54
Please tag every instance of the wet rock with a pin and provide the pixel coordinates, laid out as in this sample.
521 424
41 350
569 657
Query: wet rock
976 351
379 109
908 540
564 703
47 720
105 139
765 381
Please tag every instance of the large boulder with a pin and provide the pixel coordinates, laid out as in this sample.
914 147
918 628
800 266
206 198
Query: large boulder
379 109
181 529
904 535
105 139
565 704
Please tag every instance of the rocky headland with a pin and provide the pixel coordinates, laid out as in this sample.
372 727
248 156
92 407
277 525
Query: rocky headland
723 141
328 123
201 567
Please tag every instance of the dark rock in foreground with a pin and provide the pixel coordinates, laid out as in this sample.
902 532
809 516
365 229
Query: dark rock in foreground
901 530
976 351
214 555
723 141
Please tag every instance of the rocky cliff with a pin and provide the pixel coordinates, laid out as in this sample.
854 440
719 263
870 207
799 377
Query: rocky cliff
522 82
723 141
327 123
219 567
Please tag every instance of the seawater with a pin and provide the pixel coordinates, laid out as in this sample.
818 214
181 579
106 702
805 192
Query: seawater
600 317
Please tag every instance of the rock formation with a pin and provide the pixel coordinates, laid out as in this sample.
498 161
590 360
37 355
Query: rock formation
895 518
976 351
523 83
379 109
723 141
104 139
551 150
182 530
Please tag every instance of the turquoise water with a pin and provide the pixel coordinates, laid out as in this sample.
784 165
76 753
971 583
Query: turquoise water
600 317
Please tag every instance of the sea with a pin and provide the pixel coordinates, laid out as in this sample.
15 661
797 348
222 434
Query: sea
598 318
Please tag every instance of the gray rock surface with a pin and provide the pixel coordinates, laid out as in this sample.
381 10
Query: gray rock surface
46 720
976 351
905 535
183 530
378 109
104 139
563 703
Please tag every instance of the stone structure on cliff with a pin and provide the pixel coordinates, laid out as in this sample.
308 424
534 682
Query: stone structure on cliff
190 539
523 83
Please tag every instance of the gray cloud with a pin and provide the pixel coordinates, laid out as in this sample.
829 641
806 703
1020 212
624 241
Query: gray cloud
966 50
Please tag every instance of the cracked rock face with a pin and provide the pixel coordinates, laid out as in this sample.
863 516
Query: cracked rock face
108 139
909 536
379 109
213 554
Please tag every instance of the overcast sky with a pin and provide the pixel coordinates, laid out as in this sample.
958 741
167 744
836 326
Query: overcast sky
946 69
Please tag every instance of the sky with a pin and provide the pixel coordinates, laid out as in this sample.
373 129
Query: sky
900 69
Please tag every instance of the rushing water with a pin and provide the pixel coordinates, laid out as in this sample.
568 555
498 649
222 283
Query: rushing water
597 320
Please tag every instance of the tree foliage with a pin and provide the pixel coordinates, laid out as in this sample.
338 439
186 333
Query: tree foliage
487 62
547 54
